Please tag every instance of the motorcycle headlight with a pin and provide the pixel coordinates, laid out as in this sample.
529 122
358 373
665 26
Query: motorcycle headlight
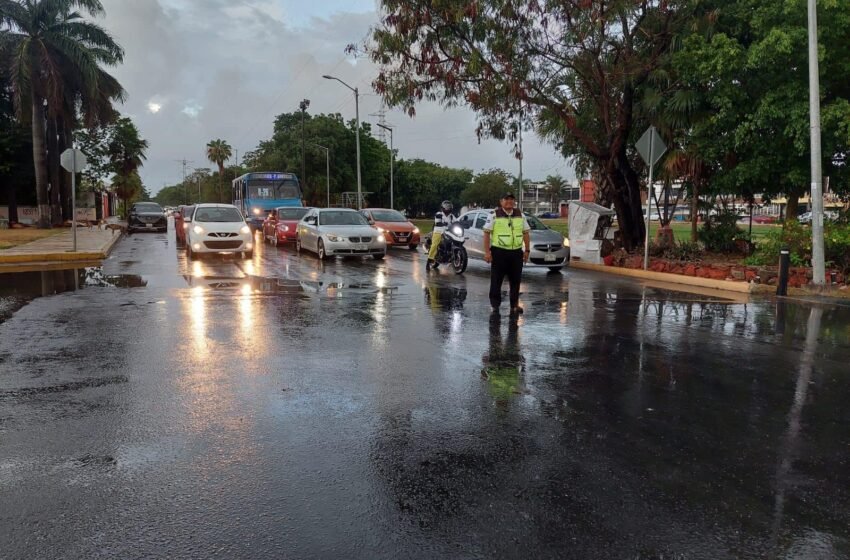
245 230
198 229
457 230
257 211
566 242
185 225
334 238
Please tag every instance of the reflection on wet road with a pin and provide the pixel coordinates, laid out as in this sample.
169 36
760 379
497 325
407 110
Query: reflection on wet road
287 407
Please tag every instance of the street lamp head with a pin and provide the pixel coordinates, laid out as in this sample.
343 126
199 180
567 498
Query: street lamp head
304 104
325 76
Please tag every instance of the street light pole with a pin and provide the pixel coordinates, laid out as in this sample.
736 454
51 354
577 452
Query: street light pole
303 106
357 136
818 264
392 162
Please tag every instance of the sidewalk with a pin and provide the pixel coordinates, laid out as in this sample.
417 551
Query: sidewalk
92 245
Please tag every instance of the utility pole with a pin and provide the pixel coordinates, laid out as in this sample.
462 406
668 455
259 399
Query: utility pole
521 189
356 136
392 161
327 170
184 162
818 264
303 106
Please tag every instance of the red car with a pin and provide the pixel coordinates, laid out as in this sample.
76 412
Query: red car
182 216
763 219
281 224
399 231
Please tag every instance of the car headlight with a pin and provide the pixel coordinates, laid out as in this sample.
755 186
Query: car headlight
198 229
284 228
382 238
380 229
334 238
257 211
415 230
245 230
566 242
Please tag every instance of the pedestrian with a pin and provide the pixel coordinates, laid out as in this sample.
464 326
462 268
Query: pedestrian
506 232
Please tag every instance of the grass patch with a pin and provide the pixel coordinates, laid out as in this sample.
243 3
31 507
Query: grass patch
13 237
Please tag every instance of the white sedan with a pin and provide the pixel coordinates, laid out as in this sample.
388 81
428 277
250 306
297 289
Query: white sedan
218 228
339 231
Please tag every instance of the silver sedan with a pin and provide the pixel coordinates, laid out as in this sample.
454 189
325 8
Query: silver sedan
339 231
549 248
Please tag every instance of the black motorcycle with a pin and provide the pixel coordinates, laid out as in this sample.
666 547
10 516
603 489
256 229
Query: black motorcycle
451 250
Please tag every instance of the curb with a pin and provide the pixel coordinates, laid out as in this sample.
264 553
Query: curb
64 256
724 285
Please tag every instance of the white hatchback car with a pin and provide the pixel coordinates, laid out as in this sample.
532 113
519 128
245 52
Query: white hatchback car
218 228
339 231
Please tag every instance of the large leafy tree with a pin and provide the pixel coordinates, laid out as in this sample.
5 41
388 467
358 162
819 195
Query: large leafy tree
55 60
219 151
579 66
126 151
487 188
748 72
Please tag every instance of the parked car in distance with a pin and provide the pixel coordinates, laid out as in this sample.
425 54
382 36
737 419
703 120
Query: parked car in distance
281 225
182 219
549 215
549 248
828 215
398 230
146 216
329 232
218 228
762 219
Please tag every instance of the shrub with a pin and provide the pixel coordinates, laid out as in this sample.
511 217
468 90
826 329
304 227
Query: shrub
721 233
798 239
686 251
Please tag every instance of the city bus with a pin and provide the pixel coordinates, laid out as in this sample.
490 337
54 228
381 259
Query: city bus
257 194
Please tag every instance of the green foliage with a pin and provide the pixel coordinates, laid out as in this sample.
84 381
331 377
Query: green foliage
798 239
720 233
487 189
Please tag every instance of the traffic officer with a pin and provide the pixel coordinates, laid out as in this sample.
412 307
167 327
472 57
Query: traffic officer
505 234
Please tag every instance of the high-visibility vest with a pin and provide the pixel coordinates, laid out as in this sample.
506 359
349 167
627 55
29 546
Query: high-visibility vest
507 231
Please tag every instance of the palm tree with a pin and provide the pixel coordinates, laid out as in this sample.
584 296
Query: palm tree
126 148
219 151
55 59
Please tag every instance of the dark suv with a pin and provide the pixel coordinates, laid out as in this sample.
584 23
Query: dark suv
147 216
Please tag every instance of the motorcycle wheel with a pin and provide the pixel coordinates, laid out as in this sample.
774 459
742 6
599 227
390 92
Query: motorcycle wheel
459 259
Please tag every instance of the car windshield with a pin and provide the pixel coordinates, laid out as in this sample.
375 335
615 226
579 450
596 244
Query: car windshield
215 214
187 211
291 213
342 218
148 207
388 216
535 224
273 190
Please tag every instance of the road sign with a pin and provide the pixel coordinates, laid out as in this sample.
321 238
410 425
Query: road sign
73 160
650 146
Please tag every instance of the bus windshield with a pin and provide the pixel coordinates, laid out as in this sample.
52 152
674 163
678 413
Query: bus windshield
268 189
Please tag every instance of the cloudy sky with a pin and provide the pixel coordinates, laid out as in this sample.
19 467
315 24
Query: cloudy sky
196 70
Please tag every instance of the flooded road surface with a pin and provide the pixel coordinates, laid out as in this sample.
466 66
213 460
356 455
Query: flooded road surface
288 408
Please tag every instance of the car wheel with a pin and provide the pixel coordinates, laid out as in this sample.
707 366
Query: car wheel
380 257
413 247
298 244
321 250
555 268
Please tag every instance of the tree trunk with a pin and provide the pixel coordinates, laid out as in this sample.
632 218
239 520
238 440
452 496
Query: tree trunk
624 191
39 158
13 203
54 171
220 179
694 212
793 199
64 176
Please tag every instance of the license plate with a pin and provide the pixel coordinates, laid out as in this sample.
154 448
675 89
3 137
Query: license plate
549 258
149 225
361 247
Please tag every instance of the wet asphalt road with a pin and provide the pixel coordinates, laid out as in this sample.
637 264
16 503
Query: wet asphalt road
285 408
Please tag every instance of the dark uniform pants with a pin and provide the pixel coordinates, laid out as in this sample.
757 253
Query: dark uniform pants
505 263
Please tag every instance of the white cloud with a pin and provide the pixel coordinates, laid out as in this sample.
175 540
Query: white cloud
232 68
